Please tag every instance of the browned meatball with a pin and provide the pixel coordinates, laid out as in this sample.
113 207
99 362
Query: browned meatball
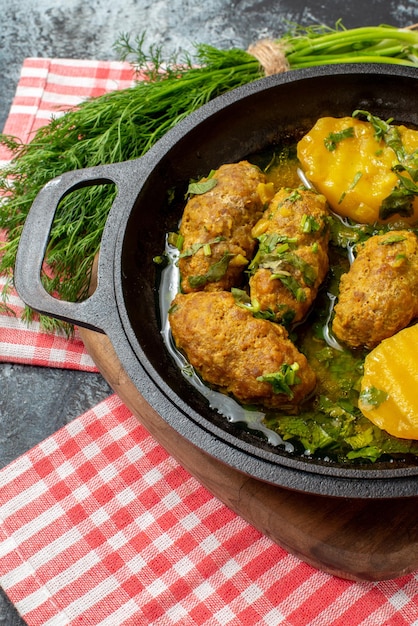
216 226
292 260
379 294
237 353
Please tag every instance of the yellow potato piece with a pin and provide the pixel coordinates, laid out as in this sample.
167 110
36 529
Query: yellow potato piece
392 368
356 176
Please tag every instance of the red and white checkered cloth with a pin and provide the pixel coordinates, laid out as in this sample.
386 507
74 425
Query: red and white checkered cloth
46 88
30 344
100 526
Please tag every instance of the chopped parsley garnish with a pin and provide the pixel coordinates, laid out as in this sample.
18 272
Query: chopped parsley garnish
214 273
399 202
351 186
243 300
333 139
391 239
370 452
197 246
292 285
202 186
308 272
380 127
276 254
309 224
294 196
372 397
283 380
268 246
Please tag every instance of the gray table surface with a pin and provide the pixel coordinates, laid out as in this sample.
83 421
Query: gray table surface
35 402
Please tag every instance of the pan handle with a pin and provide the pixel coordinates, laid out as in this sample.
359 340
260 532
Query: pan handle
92 313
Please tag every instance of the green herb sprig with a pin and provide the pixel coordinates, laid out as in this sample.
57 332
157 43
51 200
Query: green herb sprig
123 125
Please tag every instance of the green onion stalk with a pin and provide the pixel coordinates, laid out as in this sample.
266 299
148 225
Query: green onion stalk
123 125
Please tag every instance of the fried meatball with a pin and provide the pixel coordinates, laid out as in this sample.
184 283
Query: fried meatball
216 227
292 259
237 353
378 296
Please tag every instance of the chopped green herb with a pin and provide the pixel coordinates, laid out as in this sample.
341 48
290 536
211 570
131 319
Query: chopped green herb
243 300
269 242
391 239
308 272
351 186
188 370
370 452
282 248
283 380
309 224
195 189
400 259
267 314
372 397
333 139
325 355
275 253
268 247
380 127
311 434
198 246
242 297
292 285
399 202
214 273
361 439
176 240
294 196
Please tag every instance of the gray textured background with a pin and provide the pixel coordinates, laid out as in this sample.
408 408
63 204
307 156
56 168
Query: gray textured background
35 402
81 29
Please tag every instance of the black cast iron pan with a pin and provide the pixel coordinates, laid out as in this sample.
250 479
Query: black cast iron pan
124 305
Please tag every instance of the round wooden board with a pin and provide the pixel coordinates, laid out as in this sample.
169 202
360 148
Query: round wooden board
351 538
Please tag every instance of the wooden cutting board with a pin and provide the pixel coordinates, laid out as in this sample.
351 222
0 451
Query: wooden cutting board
351 538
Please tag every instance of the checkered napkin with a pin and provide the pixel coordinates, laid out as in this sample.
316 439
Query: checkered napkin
46 88
100 526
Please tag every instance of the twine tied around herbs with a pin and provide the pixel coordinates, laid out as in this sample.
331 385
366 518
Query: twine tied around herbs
271 55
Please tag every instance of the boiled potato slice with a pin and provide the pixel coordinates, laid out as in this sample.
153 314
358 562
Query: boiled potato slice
389 388
351 168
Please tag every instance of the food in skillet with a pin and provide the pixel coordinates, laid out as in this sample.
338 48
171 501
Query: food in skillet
378 296
216 227
331 421
365 168
388 395
252 359
292 257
